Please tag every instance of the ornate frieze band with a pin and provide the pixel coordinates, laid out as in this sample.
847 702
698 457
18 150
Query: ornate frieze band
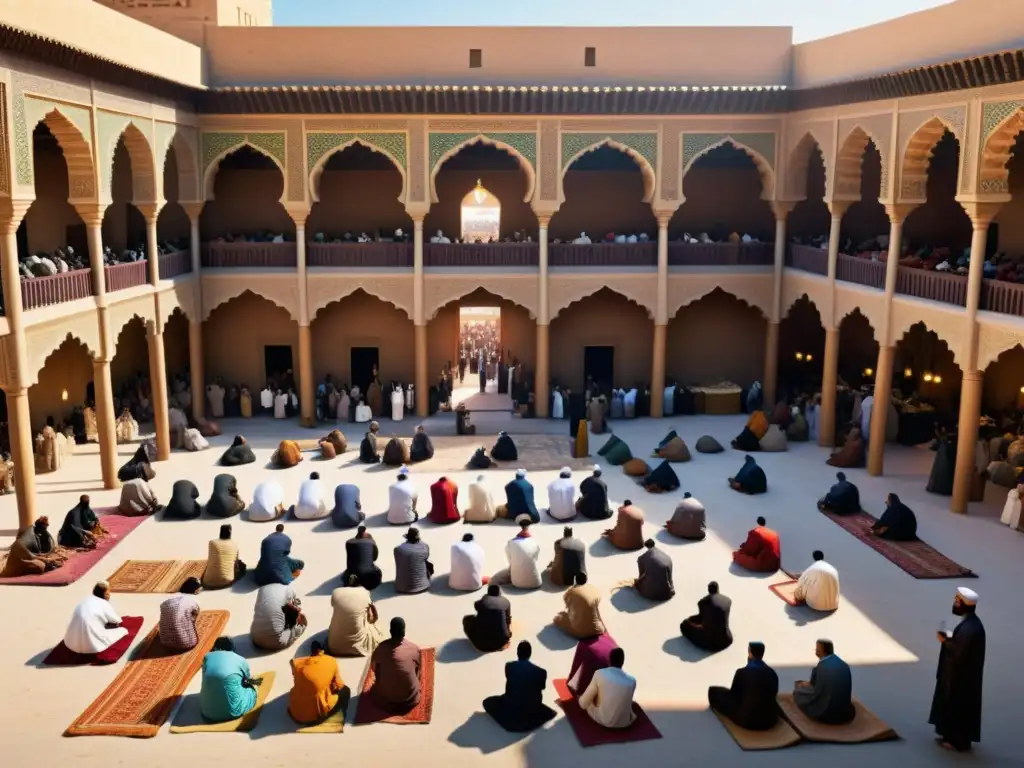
644 144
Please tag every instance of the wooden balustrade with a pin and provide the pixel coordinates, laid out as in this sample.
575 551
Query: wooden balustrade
807 258
854 269
174 264
249 255
936 286
481 254
365 255
56 289
1003 297
603 255
131 274
720 254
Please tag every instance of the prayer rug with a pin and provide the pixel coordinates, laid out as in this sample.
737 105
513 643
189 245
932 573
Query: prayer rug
536 453
334 722
140 699
190 719
155 576
591 734
915 557
62 656
866 726
786 590
79 562
779 737
368 712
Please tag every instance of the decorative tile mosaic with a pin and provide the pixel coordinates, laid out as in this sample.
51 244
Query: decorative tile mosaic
394 145
443 143
271 144
644 144
696 144
994 113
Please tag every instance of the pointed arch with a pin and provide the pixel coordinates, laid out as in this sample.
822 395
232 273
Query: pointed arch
229 291
140 152
45 343
796 167
77 151
646 169
736 290
764 167
441 291
185 160
804 300
210 176
482 138
348 290
916 157
849 160
994 175
589 290
317 170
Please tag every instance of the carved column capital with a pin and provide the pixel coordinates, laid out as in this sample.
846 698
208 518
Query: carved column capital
898 212
11 214
193 209
982 212
839 207
781 208
150 211
91 213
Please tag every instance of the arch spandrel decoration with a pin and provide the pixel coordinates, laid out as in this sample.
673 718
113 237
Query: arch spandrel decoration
994 340
642 147
71 125
799 157
521 145
182 139
42 341
760 147
217 146
919 133
111 127
946 322
439 291
869 302
320 147
564 291
754 290
283 293
850 161
179 296
325 290
1000 123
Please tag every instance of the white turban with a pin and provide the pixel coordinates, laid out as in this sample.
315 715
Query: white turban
969 596
520 473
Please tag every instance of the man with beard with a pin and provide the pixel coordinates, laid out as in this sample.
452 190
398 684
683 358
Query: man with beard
956 705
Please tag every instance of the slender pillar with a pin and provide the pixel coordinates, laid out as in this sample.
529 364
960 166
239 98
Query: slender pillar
542 376
660 322
307 388
771 364
419 321
195 367
105 422
19 426
781 210
830 371
151 212
158 382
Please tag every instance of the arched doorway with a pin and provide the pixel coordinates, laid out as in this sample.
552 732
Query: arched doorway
129 371
865 220
1010 221
810 220
173 227
246 203
858 351
176 354
124 227
63 383
248 341
929 378
51 221
940 221
801 350
1004 384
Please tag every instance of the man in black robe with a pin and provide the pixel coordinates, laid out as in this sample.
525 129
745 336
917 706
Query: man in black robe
238 453
751 701
421 449
593 500
655 579
570 559
521 708
360 558
843 498
504 449
225 501
184 503
751 479
709 628
137 467
81 526
491 628
956 705
480 460
368 453
662 479
898 522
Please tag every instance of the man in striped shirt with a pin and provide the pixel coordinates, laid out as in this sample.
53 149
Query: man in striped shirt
178 616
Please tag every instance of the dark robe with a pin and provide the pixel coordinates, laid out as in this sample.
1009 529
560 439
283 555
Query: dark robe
593 501
79 521
225 501
422 449
347 512
368 449
746 441
661 479
137 467
396 671
829 699
940 480
570 559
751 478
276 565
413 568
521 708
668 439
480 460
396 453
184 503
751 701
504 449
24 556
360 556
238 454
483 377
843 498
900 522
519 499
956 705
709 628
655 578
489 630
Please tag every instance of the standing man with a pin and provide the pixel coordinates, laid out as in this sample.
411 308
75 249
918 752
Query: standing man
956 705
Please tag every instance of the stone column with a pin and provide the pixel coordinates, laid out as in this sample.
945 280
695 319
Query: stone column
158 381
781 210
307 389
16 375
542 375
660 321
971 389
92 215
151 213
886 352
830 371
195 325
419 321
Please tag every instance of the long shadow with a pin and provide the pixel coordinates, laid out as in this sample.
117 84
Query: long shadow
439 586
628 600
739 570
802 615
326 525
326 588
245 585
37 660
482 733
304 648
274 720
604 548
684 650
386 591
456 651
667 538
554 639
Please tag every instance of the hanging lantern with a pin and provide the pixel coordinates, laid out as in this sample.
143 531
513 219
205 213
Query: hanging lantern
481 216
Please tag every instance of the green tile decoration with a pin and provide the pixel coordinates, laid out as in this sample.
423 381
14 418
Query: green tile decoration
994 113
28 111
272 144
644 144
392 144
442 143
694 144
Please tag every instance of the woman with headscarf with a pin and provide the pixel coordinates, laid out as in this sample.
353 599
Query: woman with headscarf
504 448
81 527
238 453
225 501
184 503
137 466
897 523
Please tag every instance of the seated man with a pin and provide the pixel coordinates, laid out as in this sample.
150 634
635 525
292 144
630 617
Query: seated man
348 509
267 502
402 498
276 565
504 449
761 552
137 499
33 552
591 654
582 615
521 708
95 628
178 616
422 449
593 501
396 672
336 438
750 702
818 586
560 496
228 689
225 501
444 502
688 520
491 628
238 453
480 460
353 630
897 523
481 503
137 466
851 454
661 479
828 697
184 503
223 568
709 628
570 559
287 454
628 533
360 558
311 504
316 686
843 498
81 529
519 503
396 453
609 697
750 479
413 568
467 573
368 453
655 579
523 553
277 619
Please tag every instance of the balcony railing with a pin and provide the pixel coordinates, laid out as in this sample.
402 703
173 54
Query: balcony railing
174 264
604 255
720 254
936 286
56 289
481 254
250 255
807 258
999 296
853 269
129 275
359 255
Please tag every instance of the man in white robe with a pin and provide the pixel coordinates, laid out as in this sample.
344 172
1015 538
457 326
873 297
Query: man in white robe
561 496
87 633
266 399
481 503
609 697
467 574
397 403
523 553
280 405
311 504
267 502
818 586
557 404
1011 510
866 406
215 395
402 498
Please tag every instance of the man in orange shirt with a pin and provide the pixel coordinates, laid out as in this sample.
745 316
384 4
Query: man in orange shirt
316 688
761 552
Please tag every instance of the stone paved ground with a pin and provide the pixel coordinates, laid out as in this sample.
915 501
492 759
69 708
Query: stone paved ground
885 627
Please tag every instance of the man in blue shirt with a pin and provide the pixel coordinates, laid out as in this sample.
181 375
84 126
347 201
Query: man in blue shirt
228 690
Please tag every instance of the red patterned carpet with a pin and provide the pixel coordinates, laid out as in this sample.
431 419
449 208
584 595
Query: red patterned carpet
591 734
368 712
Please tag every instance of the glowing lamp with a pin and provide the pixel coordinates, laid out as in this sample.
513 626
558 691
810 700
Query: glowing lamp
800 356
907 373
64 395
1022 390
481 216
936 379
927 377
809 358
869 372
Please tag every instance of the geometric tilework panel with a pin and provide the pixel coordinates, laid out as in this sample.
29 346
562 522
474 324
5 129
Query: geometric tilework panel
215 144
644 144
696 143
994 113
523 143
28 112
391 144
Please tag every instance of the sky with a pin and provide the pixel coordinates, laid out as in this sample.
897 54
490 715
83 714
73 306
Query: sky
810 19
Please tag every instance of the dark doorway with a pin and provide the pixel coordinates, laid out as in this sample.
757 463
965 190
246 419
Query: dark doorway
77 238
278 361
599 364
22 239
361 362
